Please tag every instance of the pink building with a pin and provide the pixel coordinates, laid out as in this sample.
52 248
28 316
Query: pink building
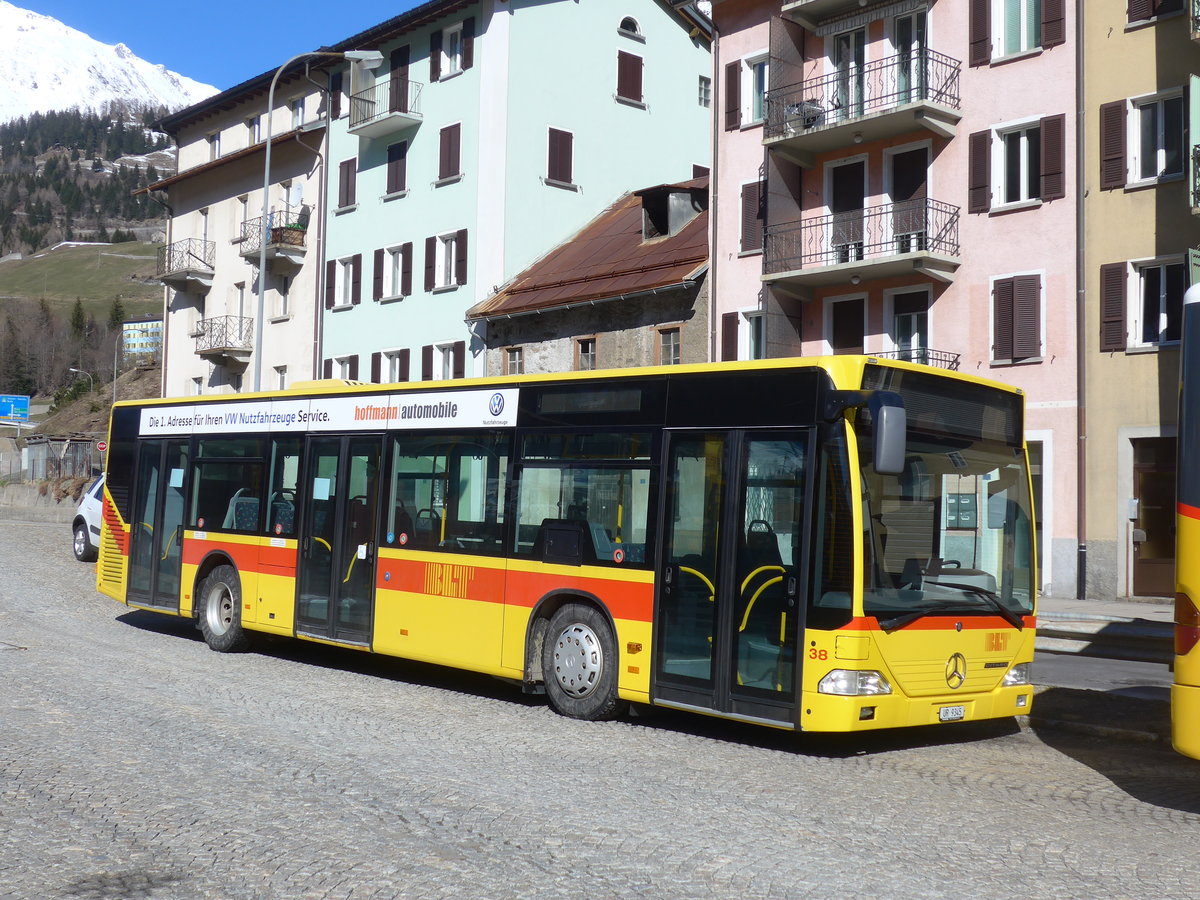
899 178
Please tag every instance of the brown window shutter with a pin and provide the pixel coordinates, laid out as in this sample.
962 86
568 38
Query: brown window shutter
468 42
1054 157
430 262
733 96
435 56
397 167
398 87
460 257
377 279
979 31
979 182
1112 145
456 150
629 76
459 354
353 368
448 151
559 166
752 216
427 362
327 368
330 284
1002 319
1112 307
402 375
1027 316
406 269
376 367
356 278
1140 10
1054 23
729 336
346 183
335 95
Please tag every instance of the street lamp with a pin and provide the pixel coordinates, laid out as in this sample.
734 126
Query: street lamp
82 372
369 58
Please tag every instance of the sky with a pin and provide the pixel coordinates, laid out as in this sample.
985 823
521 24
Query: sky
219 42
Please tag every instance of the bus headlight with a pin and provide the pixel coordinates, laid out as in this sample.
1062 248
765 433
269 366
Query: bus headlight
852 683
1018 674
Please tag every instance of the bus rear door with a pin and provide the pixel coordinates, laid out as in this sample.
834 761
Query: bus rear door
729 604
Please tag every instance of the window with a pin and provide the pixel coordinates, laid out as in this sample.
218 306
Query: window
1142 10
629 77
347 174
844 323
449 152
444 361
1017 25
346 367
705 91
668 347
397 167
393 272
1158 139
1003 28
452 50
1020 164
1157 315
753 216
446 260
1017 163
343 281
253 130
214 145
1016 318
514 361
297 107
629 28
558 165
910 325
281 378
227 485
283 307
585 354
754 90
197 386
397 365
756 335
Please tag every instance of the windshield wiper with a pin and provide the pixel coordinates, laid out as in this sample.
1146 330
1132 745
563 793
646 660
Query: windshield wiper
987 597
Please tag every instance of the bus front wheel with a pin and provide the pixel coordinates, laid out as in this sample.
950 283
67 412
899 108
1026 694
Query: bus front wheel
221 611
579 664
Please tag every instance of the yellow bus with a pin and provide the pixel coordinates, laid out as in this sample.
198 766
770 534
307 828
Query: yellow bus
1185 689
824 544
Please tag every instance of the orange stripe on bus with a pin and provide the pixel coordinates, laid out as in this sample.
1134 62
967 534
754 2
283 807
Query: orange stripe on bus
247 557
940 623
1192 512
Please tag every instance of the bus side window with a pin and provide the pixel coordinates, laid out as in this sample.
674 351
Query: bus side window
281 500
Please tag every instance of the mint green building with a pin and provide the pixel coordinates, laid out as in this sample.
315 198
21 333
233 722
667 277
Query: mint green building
492 132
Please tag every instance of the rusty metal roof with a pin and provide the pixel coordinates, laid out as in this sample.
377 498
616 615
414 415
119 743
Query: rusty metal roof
607 259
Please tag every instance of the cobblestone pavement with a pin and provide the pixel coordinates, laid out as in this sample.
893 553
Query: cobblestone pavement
135 763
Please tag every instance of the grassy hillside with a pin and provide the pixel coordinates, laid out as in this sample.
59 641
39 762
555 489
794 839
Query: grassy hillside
95 273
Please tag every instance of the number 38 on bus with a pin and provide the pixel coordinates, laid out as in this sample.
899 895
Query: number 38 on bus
826 544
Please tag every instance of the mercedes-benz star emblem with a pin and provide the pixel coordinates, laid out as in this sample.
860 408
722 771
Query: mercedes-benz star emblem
956 671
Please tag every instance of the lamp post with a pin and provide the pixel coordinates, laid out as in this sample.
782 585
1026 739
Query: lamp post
369 58
82 372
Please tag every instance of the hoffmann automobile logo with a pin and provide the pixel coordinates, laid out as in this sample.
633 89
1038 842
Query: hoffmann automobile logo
496 404
956 671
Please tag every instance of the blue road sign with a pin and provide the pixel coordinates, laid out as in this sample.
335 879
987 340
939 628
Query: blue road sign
14 406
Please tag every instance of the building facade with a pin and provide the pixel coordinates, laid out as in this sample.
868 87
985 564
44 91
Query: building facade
899 178
494 131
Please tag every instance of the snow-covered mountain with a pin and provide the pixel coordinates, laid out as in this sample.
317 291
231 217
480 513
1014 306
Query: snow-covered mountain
47 65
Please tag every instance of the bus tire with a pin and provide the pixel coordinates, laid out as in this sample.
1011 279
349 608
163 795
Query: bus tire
221 611
579 664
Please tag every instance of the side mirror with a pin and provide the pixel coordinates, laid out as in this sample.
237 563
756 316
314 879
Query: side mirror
891 430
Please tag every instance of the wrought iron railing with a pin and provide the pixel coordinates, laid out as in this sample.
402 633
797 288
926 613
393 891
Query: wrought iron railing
843 96
190 253
385 98
286 227
224 332
872 233
942 359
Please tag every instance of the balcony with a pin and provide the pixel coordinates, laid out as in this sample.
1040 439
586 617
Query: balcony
941 359
286 235
883 241
811 13
225 339
187 265
385 108
884 99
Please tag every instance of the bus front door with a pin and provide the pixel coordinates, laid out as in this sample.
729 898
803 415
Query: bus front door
156 533
730 586
335 588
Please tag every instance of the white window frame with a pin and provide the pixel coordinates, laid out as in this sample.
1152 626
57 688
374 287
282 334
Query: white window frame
445 353
827 319
635 32
452 50
393 271
514 355
283 302
391 366
991 314
343 296
999 160
297 108
579 354
341 367
889 315
1028 27
704 91
1135 287
443 267
752 333
197 386
749 76
280 377
1138 152
214 145
662 332
253 130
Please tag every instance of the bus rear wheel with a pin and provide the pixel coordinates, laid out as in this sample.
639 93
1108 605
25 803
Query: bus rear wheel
221 611
579 664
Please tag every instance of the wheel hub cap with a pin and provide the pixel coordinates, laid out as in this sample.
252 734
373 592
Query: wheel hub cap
578 660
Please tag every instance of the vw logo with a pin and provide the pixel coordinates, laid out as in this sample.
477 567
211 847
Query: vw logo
956 671
496 404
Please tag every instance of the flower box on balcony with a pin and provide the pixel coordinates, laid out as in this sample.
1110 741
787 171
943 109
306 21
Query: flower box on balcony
292 235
